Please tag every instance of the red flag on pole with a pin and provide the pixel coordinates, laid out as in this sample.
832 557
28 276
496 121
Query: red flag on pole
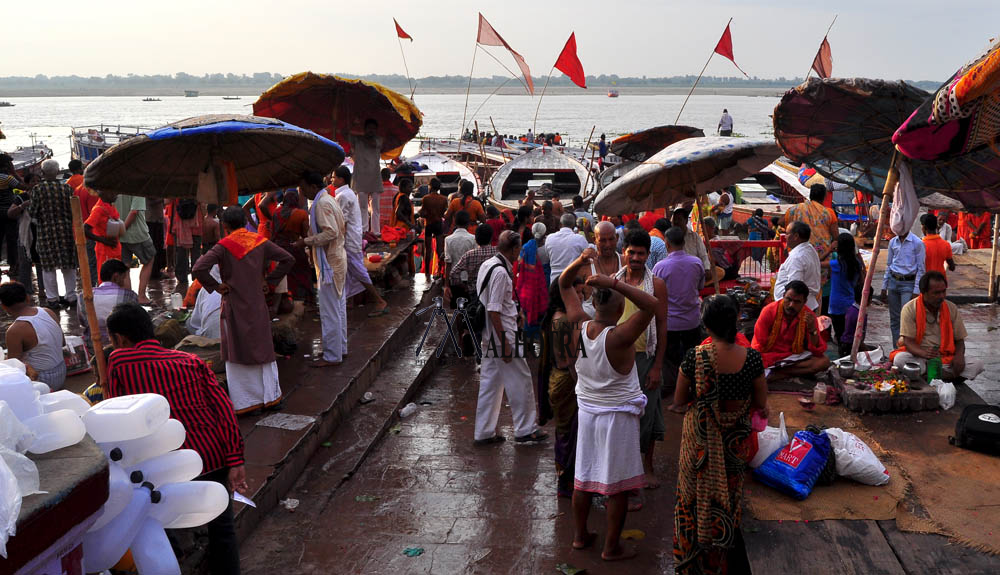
568 63
400 33
725 48
488 37
823 63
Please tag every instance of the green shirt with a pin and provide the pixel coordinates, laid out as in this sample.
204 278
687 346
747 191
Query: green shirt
138 232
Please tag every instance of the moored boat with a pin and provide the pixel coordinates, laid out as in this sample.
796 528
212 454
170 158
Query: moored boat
6 104
150 99
612 93
566 176
230 97
448 171
28 159
190 93
88 142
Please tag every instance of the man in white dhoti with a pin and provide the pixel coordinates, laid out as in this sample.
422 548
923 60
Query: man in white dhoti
504 367
326 238
357 274
610 400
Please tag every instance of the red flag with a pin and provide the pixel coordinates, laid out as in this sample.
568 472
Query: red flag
823 63
488 37
725 48
400 33
568 63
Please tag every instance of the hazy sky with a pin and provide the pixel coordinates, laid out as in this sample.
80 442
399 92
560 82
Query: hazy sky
892 39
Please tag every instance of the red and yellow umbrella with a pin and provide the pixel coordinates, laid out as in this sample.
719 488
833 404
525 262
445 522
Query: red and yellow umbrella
336 107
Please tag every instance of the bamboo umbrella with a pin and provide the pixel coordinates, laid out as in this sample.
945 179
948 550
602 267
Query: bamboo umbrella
88 291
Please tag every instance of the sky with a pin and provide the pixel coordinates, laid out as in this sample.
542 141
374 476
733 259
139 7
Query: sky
889 39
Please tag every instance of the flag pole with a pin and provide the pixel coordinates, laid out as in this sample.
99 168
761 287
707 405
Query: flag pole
590 168
821 46
405 67
539 106
493 93
698 80
461 132
511 72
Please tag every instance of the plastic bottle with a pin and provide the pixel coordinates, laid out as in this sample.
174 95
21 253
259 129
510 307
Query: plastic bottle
934 369
41 388
126 417
64 399
55 430
409 410
119 494
819 394
176 301
173 467
16 389
190 504
152 552
14 363
167 437
104 547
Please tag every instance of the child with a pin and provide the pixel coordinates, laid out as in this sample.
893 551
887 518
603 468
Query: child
96 228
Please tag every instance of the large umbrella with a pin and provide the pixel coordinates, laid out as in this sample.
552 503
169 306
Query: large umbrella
844 128
336 107
264 153
961 117
683 170
638 146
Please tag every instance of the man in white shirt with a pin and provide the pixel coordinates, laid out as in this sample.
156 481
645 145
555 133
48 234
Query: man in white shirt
504 366
802 264
357 274
724 210
958 247
564 246
455 246
725 124
366 151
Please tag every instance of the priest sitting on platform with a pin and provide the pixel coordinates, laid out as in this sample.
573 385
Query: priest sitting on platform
931 328
787 336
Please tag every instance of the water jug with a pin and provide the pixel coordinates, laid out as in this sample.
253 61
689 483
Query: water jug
40 387
55 430
64 399
104 547
167 437
20 395
190 503
119 494
173 467
152 552
176 301
126 417
14 363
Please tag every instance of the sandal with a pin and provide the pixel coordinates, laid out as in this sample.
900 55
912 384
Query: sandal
534 437
379 312
490 440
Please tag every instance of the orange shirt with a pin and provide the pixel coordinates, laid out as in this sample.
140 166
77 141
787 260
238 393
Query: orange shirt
472 206
936 253
98 221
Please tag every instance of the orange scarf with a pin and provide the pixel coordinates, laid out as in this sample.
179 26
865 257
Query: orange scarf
241 242
799 341
947 347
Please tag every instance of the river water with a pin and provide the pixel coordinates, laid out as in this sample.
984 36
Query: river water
49 119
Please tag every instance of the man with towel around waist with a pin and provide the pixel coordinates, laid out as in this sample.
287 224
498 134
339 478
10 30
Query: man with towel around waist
610 400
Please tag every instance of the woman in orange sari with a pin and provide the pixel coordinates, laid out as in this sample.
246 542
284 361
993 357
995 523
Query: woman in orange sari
288 224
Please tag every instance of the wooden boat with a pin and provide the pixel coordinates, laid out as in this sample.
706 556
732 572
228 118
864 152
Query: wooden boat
612 173
150 99
530 171
28 159
190 93
88 142
230 97
6 104
612 93
447 170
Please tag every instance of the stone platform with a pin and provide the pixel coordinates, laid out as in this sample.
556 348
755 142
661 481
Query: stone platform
919 397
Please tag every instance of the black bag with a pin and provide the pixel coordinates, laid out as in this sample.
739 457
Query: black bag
475 308
978 428
187 209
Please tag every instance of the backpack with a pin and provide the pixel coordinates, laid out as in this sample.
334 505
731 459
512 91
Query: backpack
475 309
978 428
187 209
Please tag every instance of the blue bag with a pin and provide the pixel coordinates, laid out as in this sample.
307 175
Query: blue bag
794 468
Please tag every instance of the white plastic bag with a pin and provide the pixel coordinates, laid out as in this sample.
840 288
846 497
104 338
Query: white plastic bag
10 506
946 393
866 359
769 441
14 435
855 460
905 207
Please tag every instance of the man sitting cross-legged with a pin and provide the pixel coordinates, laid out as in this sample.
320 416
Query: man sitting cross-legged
787 328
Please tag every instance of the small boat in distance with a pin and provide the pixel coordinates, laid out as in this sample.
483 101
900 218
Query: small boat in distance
190 93
150 99
230 97
612 93
531 171
6 104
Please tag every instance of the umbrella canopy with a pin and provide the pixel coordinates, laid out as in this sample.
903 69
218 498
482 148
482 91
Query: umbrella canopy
683 170
638 146
961 117
265 153
844 128
335 107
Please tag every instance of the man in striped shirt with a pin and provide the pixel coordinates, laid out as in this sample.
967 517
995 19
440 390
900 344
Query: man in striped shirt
140 364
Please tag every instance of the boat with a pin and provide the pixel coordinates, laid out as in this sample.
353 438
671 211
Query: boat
530 171
612 93
230 97
6 104
616 171
88 142
190 93
28 159
447 170
150 99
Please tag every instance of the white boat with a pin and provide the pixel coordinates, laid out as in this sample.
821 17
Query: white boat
190 93
530 171
448 171
88 142
28 159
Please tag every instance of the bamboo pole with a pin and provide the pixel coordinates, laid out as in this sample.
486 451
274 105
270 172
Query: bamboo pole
88 291
993 259
482 155
698 80
591 166
496 132
820 48
461 132
700 200
883 217
539 106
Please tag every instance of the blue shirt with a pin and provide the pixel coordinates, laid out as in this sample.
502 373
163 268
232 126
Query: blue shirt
657 251
685 276
841 288
905 257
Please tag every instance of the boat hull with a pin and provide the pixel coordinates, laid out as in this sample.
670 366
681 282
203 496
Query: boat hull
514 179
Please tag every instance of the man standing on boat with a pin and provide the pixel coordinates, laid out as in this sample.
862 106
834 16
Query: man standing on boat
602 150
366 150
725 124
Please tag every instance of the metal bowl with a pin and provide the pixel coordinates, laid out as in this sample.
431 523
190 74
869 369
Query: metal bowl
911 370
845 368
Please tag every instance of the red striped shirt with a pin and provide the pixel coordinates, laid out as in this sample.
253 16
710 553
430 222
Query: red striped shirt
196 399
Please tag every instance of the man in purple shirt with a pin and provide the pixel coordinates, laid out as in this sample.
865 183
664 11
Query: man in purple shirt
684 275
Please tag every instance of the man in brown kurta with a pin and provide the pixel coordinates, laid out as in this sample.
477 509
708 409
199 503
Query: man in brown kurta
243 258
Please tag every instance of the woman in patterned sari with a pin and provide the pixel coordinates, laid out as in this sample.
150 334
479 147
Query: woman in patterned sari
288 224
722 381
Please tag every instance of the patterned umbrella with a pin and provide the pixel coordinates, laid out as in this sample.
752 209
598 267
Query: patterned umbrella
961 117
681 171
638 146
260 153
844 128
335 107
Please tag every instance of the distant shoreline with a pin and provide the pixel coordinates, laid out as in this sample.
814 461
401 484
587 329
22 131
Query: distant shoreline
250 93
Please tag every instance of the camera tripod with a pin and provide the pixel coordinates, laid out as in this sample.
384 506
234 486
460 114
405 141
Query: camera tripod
461 312
438 311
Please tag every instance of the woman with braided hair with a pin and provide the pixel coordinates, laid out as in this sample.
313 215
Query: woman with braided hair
787 328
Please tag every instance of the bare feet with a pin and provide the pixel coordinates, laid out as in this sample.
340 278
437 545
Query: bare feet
619 553
677 408
145 301
588 541
651 481
324 363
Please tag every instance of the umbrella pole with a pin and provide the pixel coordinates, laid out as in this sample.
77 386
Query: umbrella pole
539 106
591 166
866 295
88 291
708 243
993 259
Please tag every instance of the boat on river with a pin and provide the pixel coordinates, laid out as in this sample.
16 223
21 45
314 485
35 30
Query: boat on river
532 170
190 93
448 171
151 100
28 159
6 104
230 97
88 142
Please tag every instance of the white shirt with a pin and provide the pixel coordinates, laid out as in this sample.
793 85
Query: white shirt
726 123
945 232
499 296
455 246
695 246
564 247
803 265
728 208
348 202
